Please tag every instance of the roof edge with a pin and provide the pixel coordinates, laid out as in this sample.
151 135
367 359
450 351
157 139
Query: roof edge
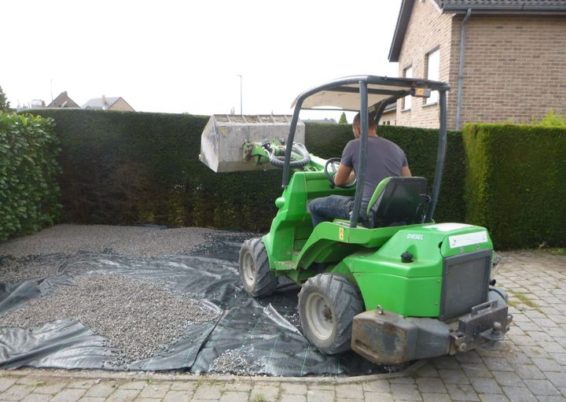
400 29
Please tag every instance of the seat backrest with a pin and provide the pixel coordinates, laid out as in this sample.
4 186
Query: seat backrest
398 201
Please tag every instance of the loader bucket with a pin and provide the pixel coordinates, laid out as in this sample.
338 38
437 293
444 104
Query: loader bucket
223 138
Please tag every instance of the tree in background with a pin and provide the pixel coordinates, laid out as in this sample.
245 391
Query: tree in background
343 119
4 104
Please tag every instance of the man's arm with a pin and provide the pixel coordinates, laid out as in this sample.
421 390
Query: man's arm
345 175
405 171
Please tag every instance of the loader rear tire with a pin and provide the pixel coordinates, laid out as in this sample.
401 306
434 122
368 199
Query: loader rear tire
327 306
255 274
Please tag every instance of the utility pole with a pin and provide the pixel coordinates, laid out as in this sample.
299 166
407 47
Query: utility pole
241 94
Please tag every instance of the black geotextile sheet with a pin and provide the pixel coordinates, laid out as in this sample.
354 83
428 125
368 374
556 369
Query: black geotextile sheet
266 331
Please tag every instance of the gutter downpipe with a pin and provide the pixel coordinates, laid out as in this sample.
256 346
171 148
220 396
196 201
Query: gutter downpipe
461 70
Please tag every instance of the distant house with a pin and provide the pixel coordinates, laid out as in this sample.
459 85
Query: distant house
63 101
109 103
389 115
504 59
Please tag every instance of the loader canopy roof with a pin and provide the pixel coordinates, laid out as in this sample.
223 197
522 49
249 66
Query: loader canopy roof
344 93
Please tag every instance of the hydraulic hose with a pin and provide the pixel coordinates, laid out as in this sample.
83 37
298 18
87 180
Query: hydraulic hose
297 148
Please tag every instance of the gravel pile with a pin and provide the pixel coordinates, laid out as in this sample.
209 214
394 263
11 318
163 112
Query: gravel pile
137 317
235 361
29 267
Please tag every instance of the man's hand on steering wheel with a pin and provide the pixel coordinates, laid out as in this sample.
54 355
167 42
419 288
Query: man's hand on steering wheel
331 168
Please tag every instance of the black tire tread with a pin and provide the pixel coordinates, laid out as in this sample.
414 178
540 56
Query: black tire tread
265 282
346 303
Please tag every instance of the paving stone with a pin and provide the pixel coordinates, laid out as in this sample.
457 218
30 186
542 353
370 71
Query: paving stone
493 398
402 380
507 378
93 399
541 387
300 389
558 379
553 399
477 371
519 394
462 392
446 362
82 384
529 372
16 393
157 390
454 376
351 391
486 386
186 386
139 385
293 398
269 392
6 382
406 392
32 381
381 386
325 387
432 397
68 395
431 385
378 396
547 365
469 357
498 364
151 400
318 395
234 396
104 389
123 395
37 398
50 388
427 371
208 391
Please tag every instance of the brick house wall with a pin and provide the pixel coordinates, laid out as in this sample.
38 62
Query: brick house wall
514 70
427 30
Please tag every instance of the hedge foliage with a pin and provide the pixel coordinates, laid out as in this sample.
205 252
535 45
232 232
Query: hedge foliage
28 174
515 183
132 168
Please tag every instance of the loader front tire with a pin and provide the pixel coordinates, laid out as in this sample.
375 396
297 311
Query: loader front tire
255 274
327 306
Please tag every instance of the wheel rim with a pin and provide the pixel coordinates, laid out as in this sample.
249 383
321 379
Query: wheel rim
248 268
319 316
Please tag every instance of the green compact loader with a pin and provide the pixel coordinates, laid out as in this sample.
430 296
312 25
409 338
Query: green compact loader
390 283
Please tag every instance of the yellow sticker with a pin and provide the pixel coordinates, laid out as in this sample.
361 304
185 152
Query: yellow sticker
341 233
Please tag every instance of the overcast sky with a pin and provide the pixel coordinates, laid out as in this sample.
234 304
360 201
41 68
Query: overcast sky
185 56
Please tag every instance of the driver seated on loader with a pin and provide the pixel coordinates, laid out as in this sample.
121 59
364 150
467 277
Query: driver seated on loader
385 159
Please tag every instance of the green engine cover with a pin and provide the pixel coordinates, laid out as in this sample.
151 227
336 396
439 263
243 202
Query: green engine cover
412 288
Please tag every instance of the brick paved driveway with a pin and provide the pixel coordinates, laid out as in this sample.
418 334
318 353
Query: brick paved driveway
529 366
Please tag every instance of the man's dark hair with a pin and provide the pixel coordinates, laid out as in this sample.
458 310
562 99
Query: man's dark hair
371 119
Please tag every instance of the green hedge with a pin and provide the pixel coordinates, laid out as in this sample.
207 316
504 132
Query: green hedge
515 183
28 188
130 168
420 146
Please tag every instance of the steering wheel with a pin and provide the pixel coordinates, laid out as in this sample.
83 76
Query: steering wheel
330 169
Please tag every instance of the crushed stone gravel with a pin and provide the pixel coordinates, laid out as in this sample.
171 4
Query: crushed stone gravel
235 361
137 317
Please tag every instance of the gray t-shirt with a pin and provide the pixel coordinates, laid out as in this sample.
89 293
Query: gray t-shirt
385 159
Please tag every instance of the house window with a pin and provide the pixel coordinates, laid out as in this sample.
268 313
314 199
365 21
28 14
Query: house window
407 73
433 73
